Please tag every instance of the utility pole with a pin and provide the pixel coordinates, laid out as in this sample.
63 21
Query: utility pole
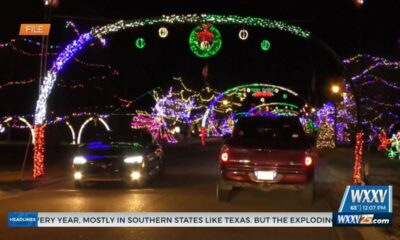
48 5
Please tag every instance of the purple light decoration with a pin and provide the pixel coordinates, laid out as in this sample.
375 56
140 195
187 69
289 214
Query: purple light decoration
174 108
48 83
327 111
377 113
71 50
155 125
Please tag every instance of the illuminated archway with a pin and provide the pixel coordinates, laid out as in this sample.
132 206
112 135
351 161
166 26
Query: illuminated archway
71 129
250 89
275 109
26 122
78 141
97 33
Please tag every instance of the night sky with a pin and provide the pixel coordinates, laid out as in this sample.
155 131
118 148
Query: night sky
291 61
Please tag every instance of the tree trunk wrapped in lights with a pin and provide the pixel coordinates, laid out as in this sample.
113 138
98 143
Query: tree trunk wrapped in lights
357 178
326 135
38 157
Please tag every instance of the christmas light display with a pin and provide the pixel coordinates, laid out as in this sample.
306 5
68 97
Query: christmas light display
163 32
38 151
99 32
24 121
204 18
243 34
308 124
140 43
358 158
174 107
205 41
345 116
394 150
384 142
326 134
240 92
390 145
16 83
83 39
275 109
155 125
378 107
86 122
71 129
326 113
12 45
71 25
265 45
29 41
47 85
2 128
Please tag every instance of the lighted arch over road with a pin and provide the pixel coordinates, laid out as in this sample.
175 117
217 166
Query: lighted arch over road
287 110
28 125
245 88
99 32
88 121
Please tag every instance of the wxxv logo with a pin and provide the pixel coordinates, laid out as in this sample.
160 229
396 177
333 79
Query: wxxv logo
345 219
365 206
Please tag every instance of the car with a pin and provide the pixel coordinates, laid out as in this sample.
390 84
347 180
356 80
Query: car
134 159
267 153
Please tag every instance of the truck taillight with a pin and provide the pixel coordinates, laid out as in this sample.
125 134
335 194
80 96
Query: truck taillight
308 161
224 156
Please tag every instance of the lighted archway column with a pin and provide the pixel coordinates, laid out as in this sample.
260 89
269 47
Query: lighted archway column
38 151
358 150
45 89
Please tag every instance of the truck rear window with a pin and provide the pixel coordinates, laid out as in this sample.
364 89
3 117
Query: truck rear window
276 132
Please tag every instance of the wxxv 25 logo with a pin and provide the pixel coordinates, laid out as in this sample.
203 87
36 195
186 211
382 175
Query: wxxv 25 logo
365 206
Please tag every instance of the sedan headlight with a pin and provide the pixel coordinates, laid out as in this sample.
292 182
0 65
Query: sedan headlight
79 160
134 159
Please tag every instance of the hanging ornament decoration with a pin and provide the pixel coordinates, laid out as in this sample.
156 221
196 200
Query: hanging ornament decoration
205 41
265 45
140 43
163 32
243 34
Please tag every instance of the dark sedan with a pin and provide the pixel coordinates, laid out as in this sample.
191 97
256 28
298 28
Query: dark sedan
135 161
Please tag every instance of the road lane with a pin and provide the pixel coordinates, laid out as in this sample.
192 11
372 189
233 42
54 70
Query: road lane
189 185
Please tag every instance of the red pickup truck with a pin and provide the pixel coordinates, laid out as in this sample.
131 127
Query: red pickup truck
266 152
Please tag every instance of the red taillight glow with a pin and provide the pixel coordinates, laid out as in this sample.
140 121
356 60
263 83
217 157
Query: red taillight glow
224 156
308 161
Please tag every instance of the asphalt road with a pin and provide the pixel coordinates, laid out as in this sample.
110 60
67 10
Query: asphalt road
189 185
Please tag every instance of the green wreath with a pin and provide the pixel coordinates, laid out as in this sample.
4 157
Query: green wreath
202 51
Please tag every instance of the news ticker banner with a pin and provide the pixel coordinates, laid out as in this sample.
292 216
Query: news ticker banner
169 219
360 206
